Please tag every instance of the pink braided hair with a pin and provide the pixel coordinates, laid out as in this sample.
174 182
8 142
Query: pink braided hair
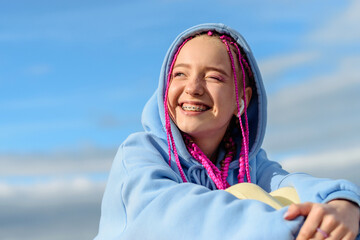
244 154
171 142
218 176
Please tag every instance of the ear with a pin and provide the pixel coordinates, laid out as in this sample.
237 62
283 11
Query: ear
242 106
248 93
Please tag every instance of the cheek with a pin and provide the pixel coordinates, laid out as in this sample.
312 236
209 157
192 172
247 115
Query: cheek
226 100
223 95
173 94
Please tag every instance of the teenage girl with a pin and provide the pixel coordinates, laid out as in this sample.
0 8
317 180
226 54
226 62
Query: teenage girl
203 130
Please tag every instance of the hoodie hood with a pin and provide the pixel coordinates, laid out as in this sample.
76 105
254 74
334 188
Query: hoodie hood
153 117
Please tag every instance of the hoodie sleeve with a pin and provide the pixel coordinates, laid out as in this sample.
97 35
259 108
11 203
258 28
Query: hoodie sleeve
145 199
271 176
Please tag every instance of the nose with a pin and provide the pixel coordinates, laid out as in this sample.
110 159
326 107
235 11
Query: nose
194 86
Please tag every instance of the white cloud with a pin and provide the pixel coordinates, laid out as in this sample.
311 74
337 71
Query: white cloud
57 189
86 161
344 78
338 163
5 190
321 112
342 29
57 209
276 65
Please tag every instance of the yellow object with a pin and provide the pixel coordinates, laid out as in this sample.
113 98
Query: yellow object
277 199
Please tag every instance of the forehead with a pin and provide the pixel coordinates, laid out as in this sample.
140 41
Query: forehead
204 50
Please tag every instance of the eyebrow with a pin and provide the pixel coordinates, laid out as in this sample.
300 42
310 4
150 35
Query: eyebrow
182 65
207 68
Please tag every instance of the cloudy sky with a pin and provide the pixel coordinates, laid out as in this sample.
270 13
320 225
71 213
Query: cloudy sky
75 75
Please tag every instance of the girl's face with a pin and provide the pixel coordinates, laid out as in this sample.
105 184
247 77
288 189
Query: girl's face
201 97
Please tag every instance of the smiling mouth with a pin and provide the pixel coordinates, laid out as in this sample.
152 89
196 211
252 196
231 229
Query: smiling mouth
194 107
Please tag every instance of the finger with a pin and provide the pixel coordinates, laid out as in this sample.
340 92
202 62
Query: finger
340 232
321 234
312 222
327 225
296 210
349 236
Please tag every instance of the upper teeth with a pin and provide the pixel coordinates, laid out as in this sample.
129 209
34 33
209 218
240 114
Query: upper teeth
194 108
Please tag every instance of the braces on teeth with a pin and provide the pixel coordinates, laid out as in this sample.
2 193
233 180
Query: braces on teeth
193 108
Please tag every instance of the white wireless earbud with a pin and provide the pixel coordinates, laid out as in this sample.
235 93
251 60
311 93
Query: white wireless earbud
242 105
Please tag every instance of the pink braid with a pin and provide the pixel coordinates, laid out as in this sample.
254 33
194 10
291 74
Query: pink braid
244 86
218 176
245 107
245 149
212 170
245 62
230 146
171 142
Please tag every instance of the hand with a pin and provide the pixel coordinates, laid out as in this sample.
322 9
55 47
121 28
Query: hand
338 219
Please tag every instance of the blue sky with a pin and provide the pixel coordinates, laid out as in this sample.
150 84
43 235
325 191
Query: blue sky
75 75
71 71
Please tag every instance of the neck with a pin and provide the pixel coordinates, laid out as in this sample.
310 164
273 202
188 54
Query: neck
209 145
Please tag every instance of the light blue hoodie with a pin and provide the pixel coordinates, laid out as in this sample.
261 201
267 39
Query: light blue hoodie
145 198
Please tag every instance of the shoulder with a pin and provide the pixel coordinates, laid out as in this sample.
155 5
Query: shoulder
144 143
142 156
142 149
260 157
145 140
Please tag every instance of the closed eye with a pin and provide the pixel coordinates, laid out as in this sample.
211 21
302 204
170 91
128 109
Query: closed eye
217 78
178 74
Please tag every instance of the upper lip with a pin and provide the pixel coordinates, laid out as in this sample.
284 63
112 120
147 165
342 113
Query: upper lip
193 103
